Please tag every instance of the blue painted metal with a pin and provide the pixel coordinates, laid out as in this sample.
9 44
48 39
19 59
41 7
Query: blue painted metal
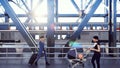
50 26
75 5
30 17
112 26
114 18
77 15
56 11
6 17
2 15
86 19
26 35
62 24
106 11
4 26
81 5
67 15
27 20
88 4
25 5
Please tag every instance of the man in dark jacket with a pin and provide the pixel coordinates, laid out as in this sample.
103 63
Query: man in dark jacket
41 51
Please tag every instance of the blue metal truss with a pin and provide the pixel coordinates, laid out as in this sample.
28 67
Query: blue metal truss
112 26
50 26
114 20
86 19
56 15
75 5
26 35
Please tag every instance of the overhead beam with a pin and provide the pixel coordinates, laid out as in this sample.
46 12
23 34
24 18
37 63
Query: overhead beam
26 35
86 19
65 15
75 5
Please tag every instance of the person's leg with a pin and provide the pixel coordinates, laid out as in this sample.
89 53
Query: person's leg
46 60
93 61
45 56
98 61
39 54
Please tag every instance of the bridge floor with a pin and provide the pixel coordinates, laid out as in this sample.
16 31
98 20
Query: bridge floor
54 63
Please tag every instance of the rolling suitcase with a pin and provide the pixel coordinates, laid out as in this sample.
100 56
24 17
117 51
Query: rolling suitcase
32 58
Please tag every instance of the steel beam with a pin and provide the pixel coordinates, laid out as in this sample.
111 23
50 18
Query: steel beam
56 12
77 15
26 35
86 19
75 5
65 15
112 26
114 18
6 17
60 23
88 4
50 26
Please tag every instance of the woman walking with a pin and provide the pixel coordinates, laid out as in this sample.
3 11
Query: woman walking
96 50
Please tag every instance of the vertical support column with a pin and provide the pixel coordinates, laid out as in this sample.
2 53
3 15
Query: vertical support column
6 35
81 4
21 27
112 26
50 27
56 17
106 12
56 3
6 17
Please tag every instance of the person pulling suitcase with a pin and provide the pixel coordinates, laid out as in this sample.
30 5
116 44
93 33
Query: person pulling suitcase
41 49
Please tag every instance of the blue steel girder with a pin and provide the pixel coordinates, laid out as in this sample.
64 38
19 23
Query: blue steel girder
56 11
88 4
75 5
61 24
29 13
77 15
114 19
80 10
50 26
86 19
66 15
112 27
26 35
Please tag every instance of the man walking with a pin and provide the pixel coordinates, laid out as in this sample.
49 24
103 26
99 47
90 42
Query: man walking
41 50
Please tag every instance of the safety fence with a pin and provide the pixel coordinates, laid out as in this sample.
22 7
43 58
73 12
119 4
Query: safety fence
22 50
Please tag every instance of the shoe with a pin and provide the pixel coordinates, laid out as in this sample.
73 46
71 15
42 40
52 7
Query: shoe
36 63
47 63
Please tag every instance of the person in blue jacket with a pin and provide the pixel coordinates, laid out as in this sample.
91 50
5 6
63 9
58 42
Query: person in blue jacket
41 50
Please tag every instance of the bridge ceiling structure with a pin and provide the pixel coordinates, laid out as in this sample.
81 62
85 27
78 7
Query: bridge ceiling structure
56 13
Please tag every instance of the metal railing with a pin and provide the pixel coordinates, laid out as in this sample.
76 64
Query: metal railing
22 50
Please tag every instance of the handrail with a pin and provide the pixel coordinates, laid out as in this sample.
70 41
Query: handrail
21 46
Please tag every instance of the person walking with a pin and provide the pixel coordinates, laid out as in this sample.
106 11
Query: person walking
41 50
96 49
